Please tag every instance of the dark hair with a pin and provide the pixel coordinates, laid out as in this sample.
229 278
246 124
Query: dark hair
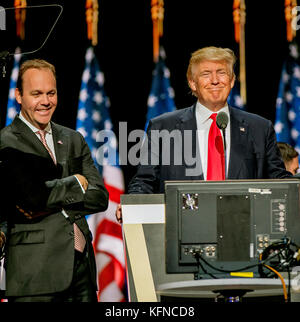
33 63
287 152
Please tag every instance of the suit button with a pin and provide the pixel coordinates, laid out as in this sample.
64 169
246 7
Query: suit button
71 233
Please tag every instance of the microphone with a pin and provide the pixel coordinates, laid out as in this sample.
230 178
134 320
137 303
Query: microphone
222 121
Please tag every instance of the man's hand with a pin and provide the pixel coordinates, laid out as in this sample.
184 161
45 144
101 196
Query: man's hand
119 214
82 181
2 239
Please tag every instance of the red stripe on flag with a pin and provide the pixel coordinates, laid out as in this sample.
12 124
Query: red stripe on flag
106 275
109 227
114 193
113 271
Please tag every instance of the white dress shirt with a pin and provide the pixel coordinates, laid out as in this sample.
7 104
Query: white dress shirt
48 133
203 125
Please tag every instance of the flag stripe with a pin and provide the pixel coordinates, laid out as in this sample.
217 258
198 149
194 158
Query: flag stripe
114 193
113 176
110 228
93 118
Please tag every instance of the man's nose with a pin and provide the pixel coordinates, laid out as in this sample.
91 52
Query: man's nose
45 99
214 78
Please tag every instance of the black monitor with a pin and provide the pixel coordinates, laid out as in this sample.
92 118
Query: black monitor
226 228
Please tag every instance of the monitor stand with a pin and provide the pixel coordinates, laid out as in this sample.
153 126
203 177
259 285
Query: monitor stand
230 296
223 290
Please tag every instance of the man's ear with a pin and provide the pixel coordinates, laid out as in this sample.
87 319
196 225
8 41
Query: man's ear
232 81
192 85
18 96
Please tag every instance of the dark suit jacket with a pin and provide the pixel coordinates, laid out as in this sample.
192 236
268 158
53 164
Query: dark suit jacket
253 150
40 251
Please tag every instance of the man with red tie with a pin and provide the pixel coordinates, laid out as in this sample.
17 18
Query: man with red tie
251 151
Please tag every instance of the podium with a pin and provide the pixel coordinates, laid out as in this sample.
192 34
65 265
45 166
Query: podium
144 238
144 243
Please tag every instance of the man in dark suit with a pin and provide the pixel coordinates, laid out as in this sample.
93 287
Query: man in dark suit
251 150
53 185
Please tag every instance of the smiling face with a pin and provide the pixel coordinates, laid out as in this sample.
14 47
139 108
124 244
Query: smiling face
39 96
212 82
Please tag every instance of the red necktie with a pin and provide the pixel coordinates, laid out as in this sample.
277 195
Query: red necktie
215 156
79 240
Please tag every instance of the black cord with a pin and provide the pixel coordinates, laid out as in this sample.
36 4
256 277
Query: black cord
197 256
248 266
285 259
237 270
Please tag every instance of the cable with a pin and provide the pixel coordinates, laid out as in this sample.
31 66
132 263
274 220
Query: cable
239 269
197 256
286 256
282 281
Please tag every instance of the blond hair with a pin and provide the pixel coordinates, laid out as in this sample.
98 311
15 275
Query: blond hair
212 54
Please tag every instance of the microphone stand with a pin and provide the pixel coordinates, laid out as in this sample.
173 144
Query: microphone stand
222 121
223 131
224 139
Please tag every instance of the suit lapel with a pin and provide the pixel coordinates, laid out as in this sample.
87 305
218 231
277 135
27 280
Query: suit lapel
61 143
239 140
27 141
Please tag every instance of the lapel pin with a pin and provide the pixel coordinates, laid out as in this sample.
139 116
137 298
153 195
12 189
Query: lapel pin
59 142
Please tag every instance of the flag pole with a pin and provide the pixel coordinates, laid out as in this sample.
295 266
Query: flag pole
91 15
20 16
239 20
243 52
157 13
290 15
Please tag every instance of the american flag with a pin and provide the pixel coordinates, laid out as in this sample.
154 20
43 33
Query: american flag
161 97
93 118
13 107
287 121
234 98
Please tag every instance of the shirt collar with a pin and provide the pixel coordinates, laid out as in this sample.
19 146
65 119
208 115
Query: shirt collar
32 127
204 113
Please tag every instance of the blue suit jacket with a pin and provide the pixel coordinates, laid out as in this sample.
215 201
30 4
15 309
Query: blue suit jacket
253 150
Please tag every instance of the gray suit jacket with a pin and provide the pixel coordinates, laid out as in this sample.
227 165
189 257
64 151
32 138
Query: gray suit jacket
253 152
40 251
